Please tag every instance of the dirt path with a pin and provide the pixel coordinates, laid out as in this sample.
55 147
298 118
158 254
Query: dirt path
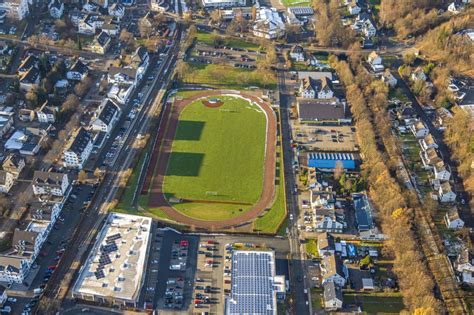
164 145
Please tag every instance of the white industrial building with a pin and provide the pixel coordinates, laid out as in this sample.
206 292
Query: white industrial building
113 272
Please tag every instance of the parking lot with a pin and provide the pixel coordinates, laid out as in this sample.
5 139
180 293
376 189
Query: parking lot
237 57
170 271
325 138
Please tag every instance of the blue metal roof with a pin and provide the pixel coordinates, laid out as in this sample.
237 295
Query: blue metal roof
329 160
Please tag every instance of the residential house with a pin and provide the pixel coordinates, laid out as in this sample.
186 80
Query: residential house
78 71
326 245
418 75
455 7
316 88
332 296
6 122
123 75
328 220
140 61
375 62
14 266
464 264
268 23
26 115
46 113
30 237
389 79
333 270
117 10
3 295
101 43
29 79
446 193
353 8
78 150
419 129
56 8
364 24
29 62
16 9
441 172
111 29
106 116
429 158
13 164
428 142
50 183
120 93
7 180
297 53
452 219
3 47
25 141
406 111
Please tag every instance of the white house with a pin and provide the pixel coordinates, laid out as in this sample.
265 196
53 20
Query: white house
106 116
7 180
101 43
320 88
418 75
29 79
389 79
464 264
117 10
429 158
14 267
375 62
78 150
428 142
333 270
77 72
326 245
353 8
50 183
446 193
452 219
56 8
332 297
440 172
46 114
120 93
419 129
16 9
13 164
297 53
455 7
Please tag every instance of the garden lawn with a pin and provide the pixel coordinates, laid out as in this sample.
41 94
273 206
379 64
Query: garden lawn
208 39
217 155
225 76
376 303
296 3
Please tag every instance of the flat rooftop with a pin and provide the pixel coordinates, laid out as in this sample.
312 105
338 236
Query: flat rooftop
252 291
115 266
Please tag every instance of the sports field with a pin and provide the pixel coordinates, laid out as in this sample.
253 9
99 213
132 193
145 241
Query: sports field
217 159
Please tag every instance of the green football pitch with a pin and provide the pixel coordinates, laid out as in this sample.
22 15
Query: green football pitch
217 161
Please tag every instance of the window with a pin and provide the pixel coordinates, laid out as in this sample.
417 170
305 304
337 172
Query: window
105 285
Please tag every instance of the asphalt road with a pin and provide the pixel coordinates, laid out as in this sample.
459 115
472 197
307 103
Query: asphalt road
297 267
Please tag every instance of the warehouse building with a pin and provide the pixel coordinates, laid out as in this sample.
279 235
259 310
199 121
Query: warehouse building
113 272
253 283
329 161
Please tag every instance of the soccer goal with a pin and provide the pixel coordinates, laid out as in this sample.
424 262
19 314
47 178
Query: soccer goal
211 193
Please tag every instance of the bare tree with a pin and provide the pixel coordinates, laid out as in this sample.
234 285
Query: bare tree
338 170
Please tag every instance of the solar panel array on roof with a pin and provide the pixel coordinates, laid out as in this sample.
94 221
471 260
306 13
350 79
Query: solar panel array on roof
111 247
331 156
252 283
323 160
302 10
114 237
99 274
104 259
